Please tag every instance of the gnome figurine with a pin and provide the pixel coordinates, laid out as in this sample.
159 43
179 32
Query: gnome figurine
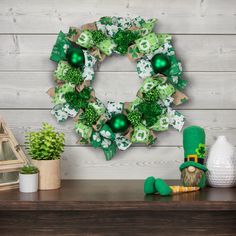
192 170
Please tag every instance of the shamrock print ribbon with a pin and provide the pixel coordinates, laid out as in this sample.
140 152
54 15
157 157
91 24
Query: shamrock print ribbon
108 141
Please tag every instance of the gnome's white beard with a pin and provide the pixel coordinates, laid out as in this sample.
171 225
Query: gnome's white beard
191 179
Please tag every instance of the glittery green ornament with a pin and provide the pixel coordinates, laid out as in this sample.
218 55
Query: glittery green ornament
75 57
74 76
90 116
98 36
151 95
119 123
135 117
160 63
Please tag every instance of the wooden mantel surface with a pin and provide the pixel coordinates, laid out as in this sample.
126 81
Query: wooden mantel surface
94 195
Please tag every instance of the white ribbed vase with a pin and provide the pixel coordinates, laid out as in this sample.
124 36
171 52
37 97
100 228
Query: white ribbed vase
221 164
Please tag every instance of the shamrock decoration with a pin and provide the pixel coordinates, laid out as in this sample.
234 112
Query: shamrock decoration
201 150
116 126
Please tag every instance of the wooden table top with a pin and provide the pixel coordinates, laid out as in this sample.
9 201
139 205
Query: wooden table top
116 195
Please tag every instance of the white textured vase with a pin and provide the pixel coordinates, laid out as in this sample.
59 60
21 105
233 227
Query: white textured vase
221 164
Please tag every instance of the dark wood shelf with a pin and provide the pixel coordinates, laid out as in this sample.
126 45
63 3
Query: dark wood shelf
102 206
77 195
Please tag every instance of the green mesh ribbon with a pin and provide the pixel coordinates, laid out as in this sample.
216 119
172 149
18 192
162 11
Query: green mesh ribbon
123 39
150 112
78 100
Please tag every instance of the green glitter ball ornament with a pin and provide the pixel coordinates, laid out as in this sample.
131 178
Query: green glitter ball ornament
160 63
75 57
119 123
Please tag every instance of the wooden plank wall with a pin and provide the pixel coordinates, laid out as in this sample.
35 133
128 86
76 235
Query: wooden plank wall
204 35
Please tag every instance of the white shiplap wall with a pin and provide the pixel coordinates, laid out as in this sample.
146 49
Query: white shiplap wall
204 36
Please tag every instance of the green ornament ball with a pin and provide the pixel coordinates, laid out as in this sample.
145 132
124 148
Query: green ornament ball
75 57
119 123
160 63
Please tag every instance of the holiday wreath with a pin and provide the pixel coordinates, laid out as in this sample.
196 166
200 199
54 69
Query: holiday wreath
115 126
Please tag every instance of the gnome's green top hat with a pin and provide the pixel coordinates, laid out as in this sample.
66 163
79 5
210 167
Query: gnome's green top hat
194 147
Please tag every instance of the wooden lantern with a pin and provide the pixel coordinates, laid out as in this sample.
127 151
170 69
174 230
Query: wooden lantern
12 158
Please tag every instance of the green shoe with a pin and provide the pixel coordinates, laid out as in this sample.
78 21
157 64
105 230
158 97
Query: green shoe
149 185
162 187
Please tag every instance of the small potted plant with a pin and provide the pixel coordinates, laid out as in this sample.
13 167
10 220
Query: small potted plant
28 179
45 147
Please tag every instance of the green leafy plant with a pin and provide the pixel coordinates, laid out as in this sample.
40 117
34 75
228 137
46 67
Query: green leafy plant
29 170
45 144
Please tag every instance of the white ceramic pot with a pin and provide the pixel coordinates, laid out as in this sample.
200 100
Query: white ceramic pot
221 164
49 174
28 183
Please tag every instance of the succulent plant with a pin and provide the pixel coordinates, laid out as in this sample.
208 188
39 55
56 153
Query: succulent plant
29 170
45 144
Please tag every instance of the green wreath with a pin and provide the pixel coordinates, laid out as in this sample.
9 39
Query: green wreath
115 126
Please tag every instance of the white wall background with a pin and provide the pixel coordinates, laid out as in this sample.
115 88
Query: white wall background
204 36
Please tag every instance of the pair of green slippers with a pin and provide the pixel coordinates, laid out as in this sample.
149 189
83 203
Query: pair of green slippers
152 186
